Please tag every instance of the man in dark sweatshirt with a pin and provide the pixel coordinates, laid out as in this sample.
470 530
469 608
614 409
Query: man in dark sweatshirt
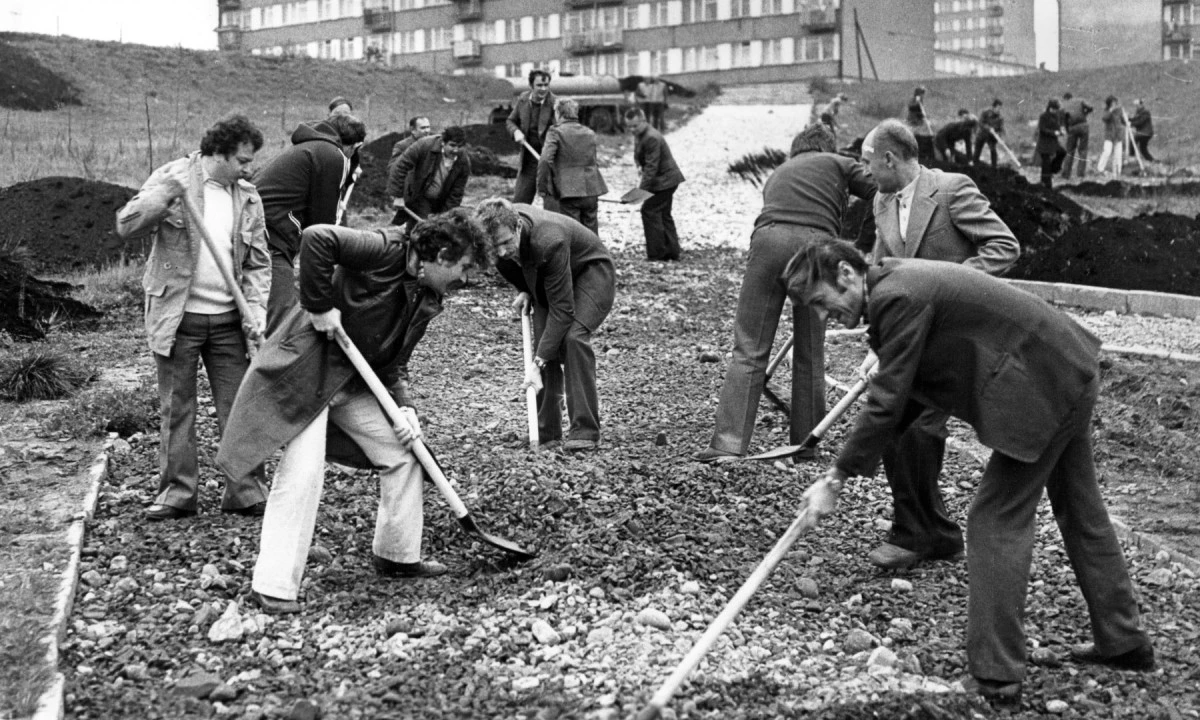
301 187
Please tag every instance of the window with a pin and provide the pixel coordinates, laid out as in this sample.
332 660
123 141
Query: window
956 6
512 30
739 8
610 18
658 62
576 22
772 7
741 55
325 10
631 63
815 48
772 51
545 26
631 17
709 58
658 14
439 38
349 8
695 11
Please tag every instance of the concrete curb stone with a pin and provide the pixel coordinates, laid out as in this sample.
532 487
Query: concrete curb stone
1140 302
50 704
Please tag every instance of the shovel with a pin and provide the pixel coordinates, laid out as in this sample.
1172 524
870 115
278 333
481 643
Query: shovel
779 356
635 196
536 155
392 410
804 522
822 427
530 392
239 298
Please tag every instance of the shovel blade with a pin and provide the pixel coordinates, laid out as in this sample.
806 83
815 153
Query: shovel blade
635 196
787 451
515 551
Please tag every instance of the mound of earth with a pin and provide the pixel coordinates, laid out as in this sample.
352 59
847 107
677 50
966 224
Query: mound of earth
1118 189
371 188
493 136
26 85
28 306
66 223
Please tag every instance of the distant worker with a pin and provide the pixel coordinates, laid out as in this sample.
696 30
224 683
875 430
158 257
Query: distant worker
991 127
1143 129
1114 136
1075 123
341 106
418 128
568 172
918 123
660 175
529 122
652 92
947 140
191 314
430 177
1049 150
300 187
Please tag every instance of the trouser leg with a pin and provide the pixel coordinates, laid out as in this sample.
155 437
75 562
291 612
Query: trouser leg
1072 143
653 226
670 235
589 215
400 519
1081 152
550 397
178 473
1105 153
225 362
525 188
913 464
291 516
808 373
579 369
283 290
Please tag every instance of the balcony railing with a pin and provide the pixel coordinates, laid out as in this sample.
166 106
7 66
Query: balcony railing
819 21
582 4
467 52
594 40
465 10
1174 32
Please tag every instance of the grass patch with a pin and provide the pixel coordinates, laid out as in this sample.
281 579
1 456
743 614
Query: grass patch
25 614
42 376
117 284
125 411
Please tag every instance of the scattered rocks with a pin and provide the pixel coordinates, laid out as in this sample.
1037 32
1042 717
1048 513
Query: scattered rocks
807 587
691 587
1045 657
902 585
304 710
882 657
600 636
228 627
1057 707
858 640
654 618
544 634
319 555
197 684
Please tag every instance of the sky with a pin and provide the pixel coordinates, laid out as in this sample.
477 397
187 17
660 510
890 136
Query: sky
169 23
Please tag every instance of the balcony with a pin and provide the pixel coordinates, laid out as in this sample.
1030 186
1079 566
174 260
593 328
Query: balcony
467 52
583 42
995 48
225 5
995 10
995 30
466 10
1174 32
377 18
820 21
584 4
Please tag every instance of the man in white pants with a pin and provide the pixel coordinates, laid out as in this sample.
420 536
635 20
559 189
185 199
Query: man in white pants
302 391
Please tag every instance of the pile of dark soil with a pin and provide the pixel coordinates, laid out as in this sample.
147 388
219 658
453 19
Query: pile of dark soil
492 136
65 223
29 306
371 189
26 85
1118 189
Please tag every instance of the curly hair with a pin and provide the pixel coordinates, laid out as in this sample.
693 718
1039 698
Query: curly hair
350 129
450 235
495 214
227 134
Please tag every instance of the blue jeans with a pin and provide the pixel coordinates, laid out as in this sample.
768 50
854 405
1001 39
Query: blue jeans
218 340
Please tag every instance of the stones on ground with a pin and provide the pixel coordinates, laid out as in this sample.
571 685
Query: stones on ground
1045 657
319 555
197 684
557 573
858 640
227 627
528 682
660 439
690 587
119 563
211 577
807 587
396 626
902 585
126 585
92 578
708 356
204 616
600 636
544 633
304 710
1056 706
882 657
1162 577
654 618
137 672
223 693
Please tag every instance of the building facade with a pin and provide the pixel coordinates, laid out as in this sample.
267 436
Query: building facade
1179 34
692 41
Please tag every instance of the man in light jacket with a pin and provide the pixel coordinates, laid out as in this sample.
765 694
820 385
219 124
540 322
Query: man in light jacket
568 172
191 312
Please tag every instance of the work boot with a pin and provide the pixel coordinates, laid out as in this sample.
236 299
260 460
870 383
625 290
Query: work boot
997 692
1141 658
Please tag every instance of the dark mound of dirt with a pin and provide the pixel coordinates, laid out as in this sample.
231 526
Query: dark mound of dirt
26 85
1118 189
371 188
66 223
28 306
1159 252
492 136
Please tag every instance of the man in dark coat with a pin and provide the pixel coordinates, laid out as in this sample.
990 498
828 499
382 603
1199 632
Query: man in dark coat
991 127
301 186
1025 377
383 287
564 270
918 123
529 121
931 215
1075 113
1143 129
1048 148
805 198
430 177
947 139
568 172
659 175
418 127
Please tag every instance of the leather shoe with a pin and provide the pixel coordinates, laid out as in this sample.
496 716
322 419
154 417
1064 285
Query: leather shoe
1141 658
550 444
258 509
580 445
158 513
275 606
996 692
894 557
713 455
422 569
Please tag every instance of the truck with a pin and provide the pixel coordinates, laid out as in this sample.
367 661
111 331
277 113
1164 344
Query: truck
603 99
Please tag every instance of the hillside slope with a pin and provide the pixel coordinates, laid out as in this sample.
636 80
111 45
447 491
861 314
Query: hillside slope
127 89
1169 89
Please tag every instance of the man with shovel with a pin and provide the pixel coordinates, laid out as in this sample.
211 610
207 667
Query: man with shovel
1025 377
382 287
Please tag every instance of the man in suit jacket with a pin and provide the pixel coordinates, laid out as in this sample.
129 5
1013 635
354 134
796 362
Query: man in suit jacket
659 175
1025 376
567 171
804 199
529 121
564 270
932 215
430 177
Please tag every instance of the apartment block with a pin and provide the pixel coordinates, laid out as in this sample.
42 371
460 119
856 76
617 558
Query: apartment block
1179 33
692 41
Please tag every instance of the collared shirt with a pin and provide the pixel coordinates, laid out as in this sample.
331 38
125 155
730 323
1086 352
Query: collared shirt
904 198
208 294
